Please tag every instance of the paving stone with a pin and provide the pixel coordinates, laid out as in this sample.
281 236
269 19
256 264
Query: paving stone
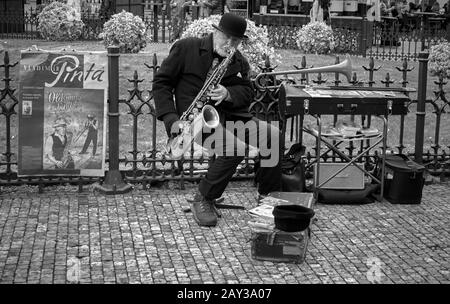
143 237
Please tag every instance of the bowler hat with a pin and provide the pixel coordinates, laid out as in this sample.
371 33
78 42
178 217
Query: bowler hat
232 25
292 218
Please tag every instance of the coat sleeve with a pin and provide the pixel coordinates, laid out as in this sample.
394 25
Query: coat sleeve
239 87
165 81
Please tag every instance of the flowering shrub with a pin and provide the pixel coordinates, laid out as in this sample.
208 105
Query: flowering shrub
127 31
59 21
282 37
315 37
439 60
255 48
345 40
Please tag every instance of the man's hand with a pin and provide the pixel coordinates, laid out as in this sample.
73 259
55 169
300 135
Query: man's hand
176 127
59 164
218 94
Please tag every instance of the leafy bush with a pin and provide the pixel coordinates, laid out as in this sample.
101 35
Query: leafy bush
58 21
315 37
283 36
255 48
126 31
345 40
439 60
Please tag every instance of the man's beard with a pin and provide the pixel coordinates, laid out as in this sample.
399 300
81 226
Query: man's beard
221 52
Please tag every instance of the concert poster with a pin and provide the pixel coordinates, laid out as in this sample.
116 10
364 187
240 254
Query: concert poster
62 113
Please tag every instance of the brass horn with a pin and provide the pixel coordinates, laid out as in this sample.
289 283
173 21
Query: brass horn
345 67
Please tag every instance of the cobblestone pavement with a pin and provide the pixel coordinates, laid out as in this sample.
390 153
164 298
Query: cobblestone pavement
145 237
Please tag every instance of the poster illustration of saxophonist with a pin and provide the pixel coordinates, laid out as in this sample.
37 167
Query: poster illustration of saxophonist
64 134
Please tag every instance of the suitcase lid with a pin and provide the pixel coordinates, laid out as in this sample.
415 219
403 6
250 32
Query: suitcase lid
403 163
344 100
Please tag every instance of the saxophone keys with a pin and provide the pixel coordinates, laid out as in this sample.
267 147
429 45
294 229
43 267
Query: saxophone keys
199 104
191 117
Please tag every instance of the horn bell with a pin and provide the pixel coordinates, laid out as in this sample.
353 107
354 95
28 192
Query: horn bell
210 116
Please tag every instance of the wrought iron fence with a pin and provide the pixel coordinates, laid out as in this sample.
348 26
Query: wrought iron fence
352 35
157 18
24 25
397 39
148 165
390 39
19 24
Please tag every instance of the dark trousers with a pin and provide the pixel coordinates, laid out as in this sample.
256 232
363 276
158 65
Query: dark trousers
91 137
222 168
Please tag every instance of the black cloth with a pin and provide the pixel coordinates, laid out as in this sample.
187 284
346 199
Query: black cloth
183 74
222 168
58 147
92 136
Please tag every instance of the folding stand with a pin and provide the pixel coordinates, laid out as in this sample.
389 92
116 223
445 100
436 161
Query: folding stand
381 138
344 100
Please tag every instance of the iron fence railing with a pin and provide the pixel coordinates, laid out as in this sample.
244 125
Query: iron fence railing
393 39
157 18
145 166
390 39
24 25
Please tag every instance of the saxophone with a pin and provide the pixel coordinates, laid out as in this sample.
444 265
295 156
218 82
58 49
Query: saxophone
199 113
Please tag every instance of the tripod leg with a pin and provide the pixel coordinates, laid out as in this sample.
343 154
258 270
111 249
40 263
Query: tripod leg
216 210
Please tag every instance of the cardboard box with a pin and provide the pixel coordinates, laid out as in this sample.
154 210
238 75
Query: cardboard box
271 244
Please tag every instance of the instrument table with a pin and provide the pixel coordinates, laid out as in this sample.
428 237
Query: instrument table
317 101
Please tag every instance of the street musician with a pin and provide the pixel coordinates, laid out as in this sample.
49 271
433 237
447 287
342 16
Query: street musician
186 80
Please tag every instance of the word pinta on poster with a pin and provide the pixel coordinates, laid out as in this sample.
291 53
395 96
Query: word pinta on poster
66 70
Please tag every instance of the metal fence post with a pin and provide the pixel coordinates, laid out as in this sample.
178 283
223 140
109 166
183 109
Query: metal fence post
155 21
363 38
420 113
113 182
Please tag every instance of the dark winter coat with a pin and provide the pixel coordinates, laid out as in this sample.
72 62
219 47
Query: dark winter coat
183 73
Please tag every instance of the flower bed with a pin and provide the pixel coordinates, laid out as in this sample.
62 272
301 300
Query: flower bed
58 21
126 31
315 37
439 60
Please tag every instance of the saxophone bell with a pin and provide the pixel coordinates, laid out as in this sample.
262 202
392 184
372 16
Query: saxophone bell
210 116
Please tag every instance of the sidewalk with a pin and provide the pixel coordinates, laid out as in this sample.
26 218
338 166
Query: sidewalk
145 237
